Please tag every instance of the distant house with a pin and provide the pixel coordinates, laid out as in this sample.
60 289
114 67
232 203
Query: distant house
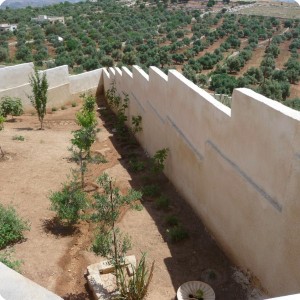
8 27
44 19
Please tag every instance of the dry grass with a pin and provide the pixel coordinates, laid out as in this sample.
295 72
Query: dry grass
286 10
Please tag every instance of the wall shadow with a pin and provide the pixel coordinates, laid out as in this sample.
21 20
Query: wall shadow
195 258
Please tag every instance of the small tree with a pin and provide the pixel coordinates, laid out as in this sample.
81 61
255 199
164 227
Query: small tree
39 98
85 136
158 160
110 242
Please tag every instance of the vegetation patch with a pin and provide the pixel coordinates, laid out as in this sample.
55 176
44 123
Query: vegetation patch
12 227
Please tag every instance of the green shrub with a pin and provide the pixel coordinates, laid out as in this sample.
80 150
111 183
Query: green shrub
136 287
6 258
172 220
54 109
136 165
18 138
63 107
2 120
11 226
162 202
177 233
158 160
151 190
69 202
74 104
11 106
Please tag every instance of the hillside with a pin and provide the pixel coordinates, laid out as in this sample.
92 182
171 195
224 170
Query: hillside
217 50
33 3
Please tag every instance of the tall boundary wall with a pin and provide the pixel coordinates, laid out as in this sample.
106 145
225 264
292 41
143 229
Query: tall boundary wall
63 87
238 168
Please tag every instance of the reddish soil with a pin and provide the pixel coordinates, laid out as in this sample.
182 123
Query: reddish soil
57 258
12 47
254 61
284 54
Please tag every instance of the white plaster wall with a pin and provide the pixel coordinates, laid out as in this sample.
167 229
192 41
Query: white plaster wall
238 168
57 76
14 76
63 88
85 81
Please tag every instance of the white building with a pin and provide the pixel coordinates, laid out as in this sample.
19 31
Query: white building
52 20
8 27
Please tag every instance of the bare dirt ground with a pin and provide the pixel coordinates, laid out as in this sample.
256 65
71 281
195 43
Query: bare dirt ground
56 258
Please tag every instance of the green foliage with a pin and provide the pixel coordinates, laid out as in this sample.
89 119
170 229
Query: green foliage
3 54
151 190
11 106
275 90
2 120
172 220
162 203
69 202
293 103
113 99
74 104
177 233
136 287
158 160
136 165
121 117
120 106
11 226
223 83
109 241
7 259
63 107
54 109
199 295
39 85
18 138
85 136
136 124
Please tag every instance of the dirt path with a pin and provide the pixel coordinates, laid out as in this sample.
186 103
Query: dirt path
57 259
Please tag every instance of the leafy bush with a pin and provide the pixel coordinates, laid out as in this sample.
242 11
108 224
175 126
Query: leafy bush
158 160
6 258
18 138
69 202
136 165
136 287
11 106
54 109
2 120
172 220
162 203
11 226
151 190
177 233
136 124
